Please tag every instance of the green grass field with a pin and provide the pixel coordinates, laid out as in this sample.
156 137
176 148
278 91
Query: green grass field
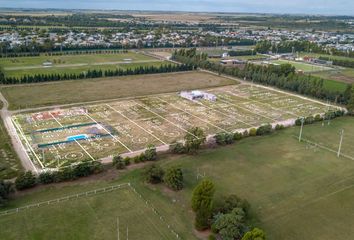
76 91
305 67
339 75
296 191
69 64
90 217
80 69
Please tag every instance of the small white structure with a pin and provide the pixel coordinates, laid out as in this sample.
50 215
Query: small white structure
196 94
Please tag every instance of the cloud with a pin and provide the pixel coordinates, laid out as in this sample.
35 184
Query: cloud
339 7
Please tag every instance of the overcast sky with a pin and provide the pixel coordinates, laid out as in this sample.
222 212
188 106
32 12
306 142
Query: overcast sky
338 7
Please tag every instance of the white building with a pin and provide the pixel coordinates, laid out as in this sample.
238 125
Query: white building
196 94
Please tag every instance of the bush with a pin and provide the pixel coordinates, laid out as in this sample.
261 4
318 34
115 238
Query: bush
238 136
47 177
253 132
5 189
318 118
263 130
25 180
224 138
127 161
279 127
309 120
211 237
174 178
177 148
150 153
66 174
153 174
119 162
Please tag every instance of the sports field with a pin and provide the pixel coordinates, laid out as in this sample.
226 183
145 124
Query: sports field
60 137
74 64
126 215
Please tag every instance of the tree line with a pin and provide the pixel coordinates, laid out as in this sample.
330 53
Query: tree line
37 78
266 46
62 53
282 76
339 62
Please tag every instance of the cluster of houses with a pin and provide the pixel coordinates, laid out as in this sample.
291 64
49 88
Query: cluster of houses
154 38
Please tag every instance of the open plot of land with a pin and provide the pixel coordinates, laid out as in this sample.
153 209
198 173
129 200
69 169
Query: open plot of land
89 217
58 138
296 191
76 91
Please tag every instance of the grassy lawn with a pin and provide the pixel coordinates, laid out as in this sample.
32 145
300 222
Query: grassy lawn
71 59
9 163
326 55
303 66
341 75
79 69
75 91
17 67
296 192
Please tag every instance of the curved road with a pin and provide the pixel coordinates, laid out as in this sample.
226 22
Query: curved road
15 140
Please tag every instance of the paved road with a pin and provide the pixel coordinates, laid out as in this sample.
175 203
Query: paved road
15 140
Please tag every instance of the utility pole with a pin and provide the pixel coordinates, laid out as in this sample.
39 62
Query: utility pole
302 127
340 142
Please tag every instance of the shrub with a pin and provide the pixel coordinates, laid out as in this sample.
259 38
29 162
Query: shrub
279 127
66 174
25 180
5 189
150 153
318 118
174 178
263 130
309 120
238 136
255 234
119 162
177 148
47 177
253 132
127 161
153 174
224 138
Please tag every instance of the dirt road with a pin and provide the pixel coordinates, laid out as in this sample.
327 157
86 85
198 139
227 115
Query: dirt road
15 140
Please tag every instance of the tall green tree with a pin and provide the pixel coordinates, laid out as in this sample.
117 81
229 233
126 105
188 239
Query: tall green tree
202 203
174 178
194 139
350 105
231 225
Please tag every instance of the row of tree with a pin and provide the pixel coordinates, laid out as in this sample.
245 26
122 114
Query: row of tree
282 76
339 62
63 53
37 78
